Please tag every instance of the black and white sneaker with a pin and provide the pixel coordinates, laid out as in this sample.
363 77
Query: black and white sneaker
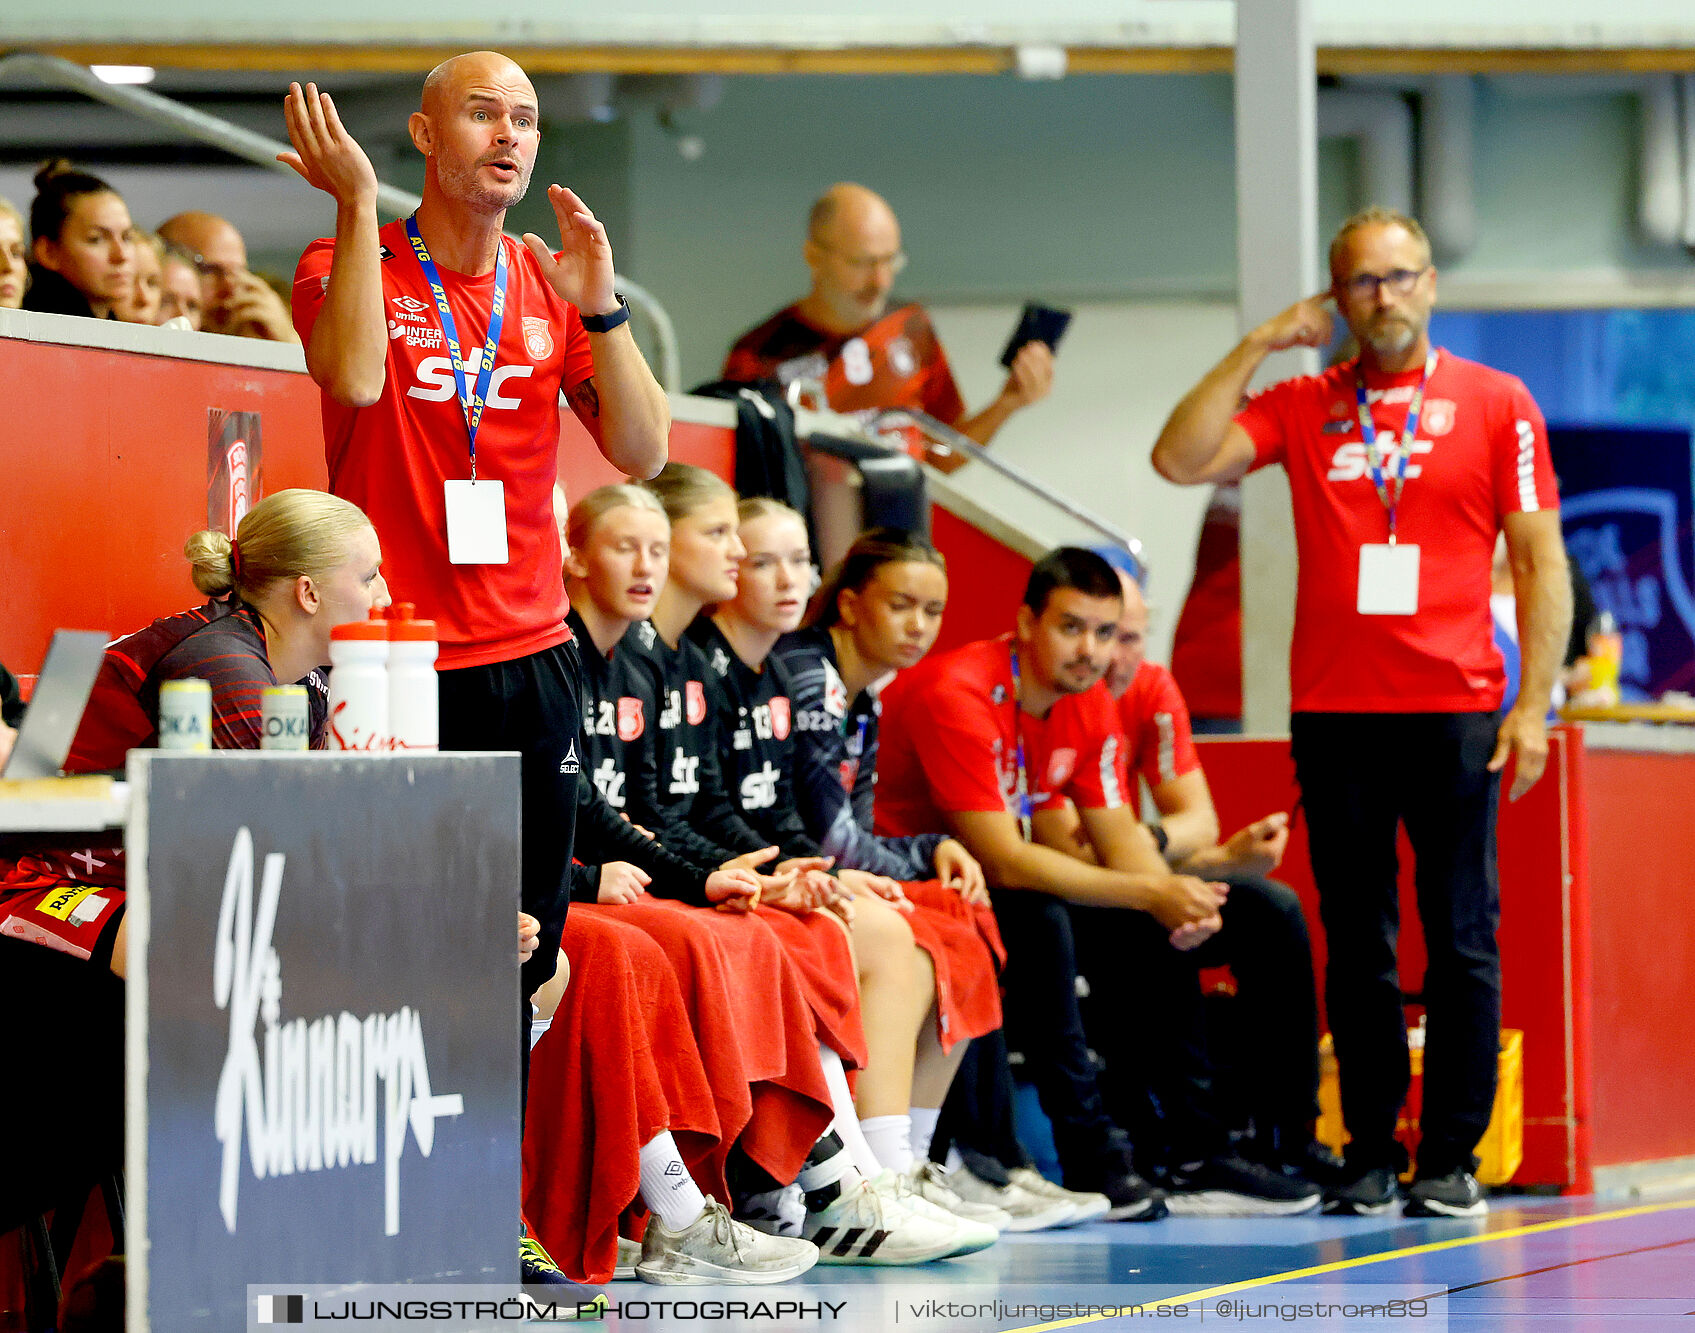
1369 1192
1232 1186
1456 1194
1132 1199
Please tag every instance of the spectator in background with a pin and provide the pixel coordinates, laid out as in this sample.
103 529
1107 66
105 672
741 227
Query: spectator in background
179 296
14 257
81 246
869 357
234 299
141 304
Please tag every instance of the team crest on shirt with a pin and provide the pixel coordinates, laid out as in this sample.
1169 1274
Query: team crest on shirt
538 338
835 693
629 718
901 357
780 718
1438 416
694 697
1061 764
997 695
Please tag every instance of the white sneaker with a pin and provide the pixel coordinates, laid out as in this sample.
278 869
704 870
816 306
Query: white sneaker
932 1181
717 1248
629 1255
1026 1209
864 1226
1085 1207
970 1237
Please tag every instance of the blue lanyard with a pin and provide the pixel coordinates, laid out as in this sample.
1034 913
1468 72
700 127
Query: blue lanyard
470 401
1025 809
1368 433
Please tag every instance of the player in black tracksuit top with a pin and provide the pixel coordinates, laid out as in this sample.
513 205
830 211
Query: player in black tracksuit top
835 763
754 716
619 717
688 792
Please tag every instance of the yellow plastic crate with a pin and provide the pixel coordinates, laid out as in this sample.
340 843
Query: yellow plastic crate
1502 1148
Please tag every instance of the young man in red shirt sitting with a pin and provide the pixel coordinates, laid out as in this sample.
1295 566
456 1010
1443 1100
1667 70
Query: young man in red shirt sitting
1012 745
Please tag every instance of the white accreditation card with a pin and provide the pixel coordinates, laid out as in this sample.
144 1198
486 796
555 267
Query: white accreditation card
476 522
1388 580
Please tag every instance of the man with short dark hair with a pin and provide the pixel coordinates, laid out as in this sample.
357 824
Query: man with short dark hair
1404 463
867 356
996 742
1264 942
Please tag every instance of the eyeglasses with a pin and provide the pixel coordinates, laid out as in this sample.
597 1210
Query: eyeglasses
868 263
1399 282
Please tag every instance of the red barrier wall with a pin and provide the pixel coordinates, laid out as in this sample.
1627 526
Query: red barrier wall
105 461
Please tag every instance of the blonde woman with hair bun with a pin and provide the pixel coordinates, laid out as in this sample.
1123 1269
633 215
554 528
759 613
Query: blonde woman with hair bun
301 562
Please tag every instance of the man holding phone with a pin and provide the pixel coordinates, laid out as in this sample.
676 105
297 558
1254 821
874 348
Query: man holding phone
870 357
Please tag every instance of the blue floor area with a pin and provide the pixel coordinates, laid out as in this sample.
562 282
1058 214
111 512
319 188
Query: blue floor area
1549 1265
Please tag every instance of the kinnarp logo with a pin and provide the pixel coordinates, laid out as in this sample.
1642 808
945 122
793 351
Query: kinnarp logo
313 1100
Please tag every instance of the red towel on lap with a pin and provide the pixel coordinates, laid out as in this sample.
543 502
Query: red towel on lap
754 1030
817 944
618 1066
964 944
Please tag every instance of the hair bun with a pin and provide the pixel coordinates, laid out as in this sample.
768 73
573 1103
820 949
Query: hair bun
58 166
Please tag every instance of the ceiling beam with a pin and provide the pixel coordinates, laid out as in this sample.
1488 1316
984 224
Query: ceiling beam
885 60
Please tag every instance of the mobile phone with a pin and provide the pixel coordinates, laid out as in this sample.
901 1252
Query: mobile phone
1037 324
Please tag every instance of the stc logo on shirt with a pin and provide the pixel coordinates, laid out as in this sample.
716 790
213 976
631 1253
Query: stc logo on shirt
436 384
759 790
1349 463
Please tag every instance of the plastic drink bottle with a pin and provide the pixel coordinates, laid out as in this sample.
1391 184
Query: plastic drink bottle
359 686
413 717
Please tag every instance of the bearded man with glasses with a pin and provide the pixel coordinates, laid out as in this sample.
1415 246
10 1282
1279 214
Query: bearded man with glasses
1404 463
868 356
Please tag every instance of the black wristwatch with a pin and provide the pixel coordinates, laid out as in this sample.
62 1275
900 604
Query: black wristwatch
1161 840
606 323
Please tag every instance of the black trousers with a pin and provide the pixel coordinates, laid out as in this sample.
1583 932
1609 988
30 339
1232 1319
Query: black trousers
1042 1020
1146 1018
1361 775
532 705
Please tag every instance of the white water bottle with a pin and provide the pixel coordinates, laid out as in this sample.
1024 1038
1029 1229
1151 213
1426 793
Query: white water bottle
413 717
359 686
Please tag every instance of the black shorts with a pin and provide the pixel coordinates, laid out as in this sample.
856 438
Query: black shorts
532 705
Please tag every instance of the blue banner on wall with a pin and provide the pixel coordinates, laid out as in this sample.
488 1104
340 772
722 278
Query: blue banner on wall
1626 505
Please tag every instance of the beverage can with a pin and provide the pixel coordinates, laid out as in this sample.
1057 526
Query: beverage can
284 722
185 714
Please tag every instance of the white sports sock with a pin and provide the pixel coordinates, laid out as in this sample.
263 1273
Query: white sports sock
923 1130
538 1029
955 1161
890 1137
846 1122
667 1187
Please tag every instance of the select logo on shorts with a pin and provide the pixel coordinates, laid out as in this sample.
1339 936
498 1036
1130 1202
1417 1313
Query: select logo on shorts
280 1310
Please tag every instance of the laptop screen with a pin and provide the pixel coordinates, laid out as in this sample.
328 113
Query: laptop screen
55 709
